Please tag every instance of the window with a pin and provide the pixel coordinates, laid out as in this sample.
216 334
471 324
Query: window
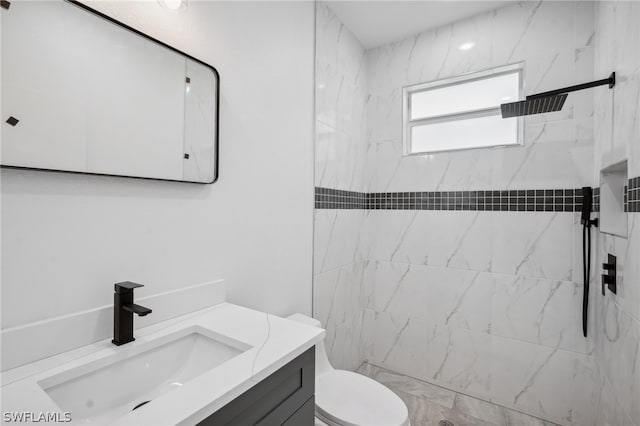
462 112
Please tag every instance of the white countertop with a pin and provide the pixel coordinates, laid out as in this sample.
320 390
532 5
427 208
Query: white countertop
274 342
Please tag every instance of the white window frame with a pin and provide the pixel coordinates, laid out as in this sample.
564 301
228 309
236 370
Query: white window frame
408 123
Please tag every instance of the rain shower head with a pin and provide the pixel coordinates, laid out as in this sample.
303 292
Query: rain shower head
533 106
549 101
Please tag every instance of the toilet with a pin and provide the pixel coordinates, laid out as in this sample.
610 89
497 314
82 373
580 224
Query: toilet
344 398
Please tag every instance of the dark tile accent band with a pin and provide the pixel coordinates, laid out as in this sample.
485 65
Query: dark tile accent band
532 200
632 195
541 200
327 198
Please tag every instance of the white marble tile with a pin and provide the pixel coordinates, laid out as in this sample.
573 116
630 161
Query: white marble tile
460 358
521 30
531 377
450 60
456 171
397 344
533 244
515 418
532 309
626 37
583 101
384 117
399 289
337 294
459 299
545 160
626 123
609 411
409 385
629 287
585 391
339 159
584 23
391 229
337 235
423 412
480 409
620 357
582 154
345 351
455 239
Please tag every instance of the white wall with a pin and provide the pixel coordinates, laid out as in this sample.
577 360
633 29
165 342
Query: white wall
67 238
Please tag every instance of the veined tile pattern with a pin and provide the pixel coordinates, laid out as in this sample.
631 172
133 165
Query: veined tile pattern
454 269
340 150
428 404
442 288
617 135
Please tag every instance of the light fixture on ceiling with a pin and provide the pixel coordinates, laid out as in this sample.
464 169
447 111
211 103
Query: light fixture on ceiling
176 5
466 46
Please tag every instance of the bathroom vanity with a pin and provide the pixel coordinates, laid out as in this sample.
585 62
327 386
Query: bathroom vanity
283 398
222 365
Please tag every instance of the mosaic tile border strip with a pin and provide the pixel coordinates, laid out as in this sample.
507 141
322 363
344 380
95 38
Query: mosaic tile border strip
327 198
632 196
531 200
539 200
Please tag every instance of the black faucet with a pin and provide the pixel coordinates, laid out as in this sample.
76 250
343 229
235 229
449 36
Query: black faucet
123 310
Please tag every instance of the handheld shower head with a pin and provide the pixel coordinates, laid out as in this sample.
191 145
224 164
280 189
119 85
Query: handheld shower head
549 101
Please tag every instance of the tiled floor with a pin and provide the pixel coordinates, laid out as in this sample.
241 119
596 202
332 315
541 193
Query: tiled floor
429 404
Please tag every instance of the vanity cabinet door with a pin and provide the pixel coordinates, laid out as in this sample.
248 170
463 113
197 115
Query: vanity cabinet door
283 398
304 416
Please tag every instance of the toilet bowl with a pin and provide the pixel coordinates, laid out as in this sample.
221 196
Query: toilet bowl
344 398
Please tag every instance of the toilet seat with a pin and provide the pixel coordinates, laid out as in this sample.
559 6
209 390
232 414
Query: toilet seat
350 399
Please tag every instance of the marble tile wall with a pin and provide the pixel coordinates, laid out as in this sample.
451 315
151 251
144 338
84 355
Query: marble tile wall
486 303
617 137
341 94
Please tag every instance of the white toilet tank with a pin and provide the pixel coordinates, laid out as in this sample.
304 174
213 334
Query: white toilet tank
348 398
322 362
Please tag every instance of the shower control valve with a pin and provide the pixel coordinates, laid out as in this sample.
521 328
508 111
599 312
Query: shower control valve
609 278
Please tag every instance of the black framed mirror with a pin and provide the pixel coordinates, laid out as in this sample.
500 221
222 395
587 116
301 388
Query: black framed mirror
84 93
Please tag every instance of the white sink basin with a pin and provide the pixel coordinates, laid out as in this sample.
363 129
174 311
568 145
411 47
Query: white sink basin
104 390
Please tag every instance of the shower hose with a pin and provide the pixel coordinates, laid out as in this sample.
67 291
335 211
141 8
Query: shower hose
586 267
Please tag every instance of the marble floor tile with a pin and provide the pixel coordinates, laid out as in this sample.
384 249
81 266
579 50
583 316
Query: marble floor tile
429 404
515 418
479 409
409 385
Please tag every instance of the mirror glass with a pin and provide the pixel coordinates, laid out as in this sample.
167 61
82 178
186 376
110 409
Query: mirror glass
83 93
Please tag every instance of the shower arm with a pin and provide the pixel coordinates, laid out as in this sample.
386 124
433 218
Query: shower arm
611 81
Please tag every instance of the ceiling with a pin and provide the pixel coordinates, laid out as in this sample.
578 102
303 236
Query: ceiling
376 22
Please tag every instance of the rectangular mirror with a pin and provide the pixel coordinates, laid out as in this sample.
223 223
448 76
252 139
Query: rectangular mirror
84 93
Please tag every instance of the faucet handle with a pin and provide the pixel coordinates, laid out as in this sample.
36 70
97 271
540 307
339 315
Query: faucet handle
126 287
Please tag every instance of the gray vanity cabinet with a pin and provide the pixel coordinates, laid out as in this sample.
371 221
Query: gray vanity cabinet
283 398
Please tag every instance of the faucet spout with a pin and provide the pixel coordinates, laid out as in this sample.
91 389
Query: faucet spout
137 309
123 310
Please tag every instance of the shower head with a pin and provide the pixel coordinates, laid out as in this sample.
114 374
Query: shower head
533 106
549 101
